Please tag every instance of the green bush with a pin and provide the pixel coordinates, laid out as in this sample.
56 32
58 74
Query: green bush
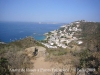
4 66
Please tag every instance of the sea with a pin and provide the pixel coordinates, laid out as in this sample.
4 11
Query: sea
12 31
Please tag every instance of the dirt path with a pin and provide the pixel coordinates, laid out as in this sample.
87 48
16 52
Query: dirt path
42 67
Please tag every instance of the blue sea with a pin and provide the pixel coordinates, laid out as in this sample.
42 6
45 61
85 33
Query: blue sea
11 31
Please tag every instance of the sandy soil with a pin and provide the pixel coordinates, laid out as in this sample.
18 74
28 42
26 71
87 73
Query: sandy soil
42 67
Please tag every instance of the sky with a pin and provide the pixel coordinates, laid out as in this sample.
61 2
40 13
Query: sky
61 11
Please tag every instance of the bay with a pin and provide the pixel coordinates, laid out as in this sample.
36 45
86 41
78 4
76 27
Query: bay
11 31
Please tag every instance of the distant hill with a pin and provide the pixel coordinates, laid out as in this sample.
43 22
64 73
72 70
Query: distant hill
90 33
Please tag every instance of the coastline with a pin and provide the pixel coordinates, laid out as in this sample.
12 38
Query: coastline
16 31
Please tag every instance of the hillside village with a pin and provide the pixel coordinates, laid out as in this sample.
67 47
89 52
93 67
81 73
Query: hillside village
29 53
64 35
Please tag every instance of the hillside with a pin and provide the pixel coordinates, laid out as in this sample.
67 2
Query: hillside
73 46
90 34
82 39
76 32
12 56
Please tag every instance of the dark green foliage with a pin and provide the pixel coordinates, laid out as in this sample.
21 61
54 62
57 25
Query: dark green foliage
62 28
90 59
49 33
84 58
62 36
4 66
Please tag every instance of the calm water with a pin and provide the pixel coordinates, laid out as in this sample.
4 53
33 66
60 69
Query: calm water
10 31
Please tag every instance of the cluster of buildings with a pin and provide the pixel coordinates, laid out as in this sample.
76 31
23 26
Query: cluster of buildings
2 43
63 36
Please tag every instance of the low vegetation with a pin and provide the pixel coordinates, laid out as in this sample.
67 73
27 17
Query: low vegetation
12 55
89 54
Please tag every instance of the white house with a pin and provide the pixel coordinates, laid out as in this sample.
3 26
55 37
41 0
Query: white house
79 42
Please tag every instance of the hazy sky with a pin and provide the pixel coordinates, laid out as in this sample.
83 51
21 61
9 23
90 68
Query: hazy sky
49 10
